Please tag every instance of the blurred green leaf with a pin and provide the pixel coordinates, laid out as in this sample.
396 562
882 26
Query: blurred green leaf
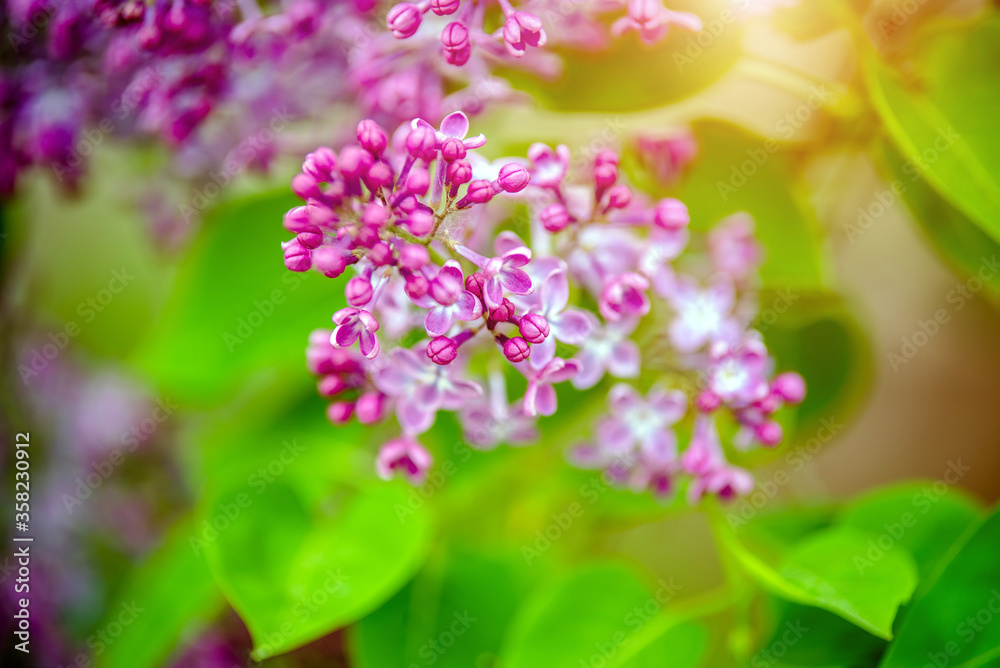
804 636
945 123
601 613
824 570
606 79
235 309
738 171
950 621
962 244
160 616
913 516
295 573
452 616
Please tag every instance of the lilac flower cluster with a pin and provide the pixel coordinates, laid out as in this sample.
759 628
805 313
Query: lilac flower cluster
418 219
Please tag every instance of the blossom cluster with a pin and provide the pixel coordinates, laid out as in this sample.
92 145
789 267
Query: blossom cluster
418 219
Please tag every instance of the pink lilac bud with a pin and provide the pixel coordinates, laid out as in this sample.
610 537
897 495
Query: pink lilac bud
769 433
358 291
513 177
422 143
381 255
555 217
605 175
367 236
474 284
297 220
455 39
420 222
339 412
414 256
404 20
442 350
319 213
619 196
418 181
370 407
534 327
372 137
453 149
297 258
607 157
480 191
516 349
671 214
310 239
459 173
375 215
416 285
330 386
708 401
502 313
380 175
445 7
406 456
320 163
330 260
355 162
790 387
521 30
305 186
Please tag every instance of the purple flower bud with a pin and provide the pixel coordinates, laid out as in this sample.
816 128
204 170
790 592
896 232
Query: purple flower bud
414 256
480 191
330 386
330 260
375 215
790 387
404 20
445 7
305 186
474 284
502 313
358 291
320 163
514 177
418 181
380 255
619 196
319 213
420 222
769 433
447 287
370 407
455 39
355 162
367 236
671 214
422 143
708 401
339 412
521 30
380 175
297 258
442 350
607 157
416 285
605 175
459 173
459 56
534 327
516 349
297 220
310 238
453 149
555 217
372 137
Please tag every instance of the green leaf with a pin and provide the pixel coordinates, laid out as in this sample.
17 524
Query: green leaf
945 123
950 622
160 616
452 615
717 186
601 613
963 245
823 571
296 572
922 518
235 309
806 636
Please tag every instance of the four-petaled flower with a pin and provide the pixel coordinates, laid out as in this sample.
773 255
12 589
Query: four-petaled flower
404 455
702 315
355 324
652 20
501 272
540 397
447 300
